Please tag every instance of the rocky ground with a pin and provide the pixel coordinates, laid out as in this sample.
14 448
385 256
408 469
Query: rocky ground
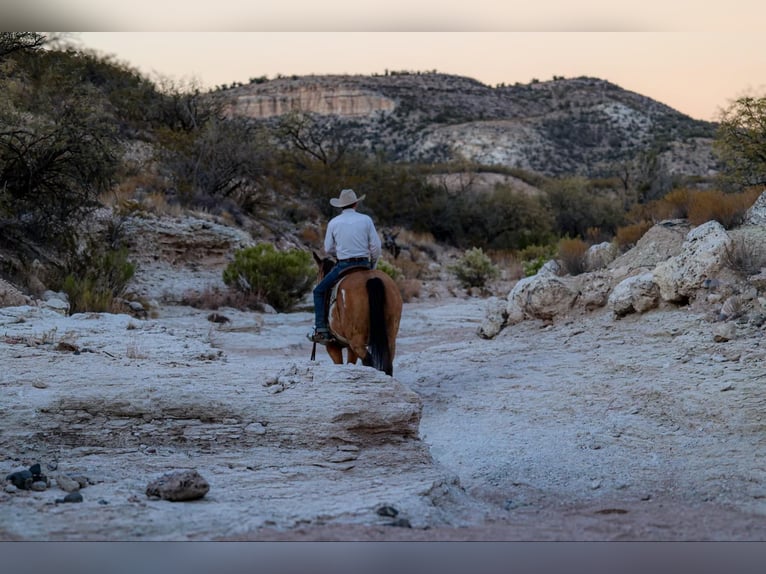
526 417
587 428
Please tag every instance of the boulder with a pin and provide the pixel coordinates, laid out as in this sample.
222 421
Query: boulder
636 294
178 486
701 257
599 256
756 215
10 296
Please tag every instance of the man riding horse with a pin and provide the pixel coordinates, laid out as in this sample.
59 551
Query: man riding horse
352 238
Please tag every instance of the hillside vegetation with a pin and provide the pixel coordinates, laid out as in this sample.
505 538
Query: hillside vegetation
87 142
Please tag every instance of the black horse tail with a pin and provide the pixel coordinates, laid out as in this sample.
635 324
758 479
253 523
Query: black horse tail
378 351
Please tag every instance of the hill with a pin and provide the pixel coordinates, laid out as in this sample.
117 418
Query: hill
584 126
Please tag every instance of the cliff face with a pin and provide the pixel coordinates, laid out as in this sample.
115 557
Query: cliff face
582 126
338 101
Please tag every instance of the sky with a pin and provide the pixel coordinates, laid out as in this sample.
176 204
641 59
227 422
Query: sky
683 53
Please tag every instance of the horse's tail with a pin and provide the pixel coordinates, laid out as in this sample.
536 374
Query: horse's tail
378 351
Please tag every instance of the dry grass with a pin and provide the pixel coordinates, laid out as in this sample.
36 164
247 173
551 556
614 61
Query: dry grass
728 209
409 288
572 255
629 235
214 298
745 257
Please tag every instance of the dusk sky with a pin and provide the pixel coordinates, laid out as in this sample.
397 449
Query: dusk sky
684 53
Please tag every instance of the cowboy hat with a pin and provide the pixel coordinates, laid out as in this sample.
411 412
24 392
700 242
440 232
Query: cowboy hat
347 197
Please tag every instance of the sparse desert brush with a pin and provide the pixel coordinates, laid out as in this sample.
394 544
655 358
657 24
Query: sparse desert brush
474 269
674 205
627 236
411 267
95 281
409 288
213 298
728 209
389 269
533 257
745 257
571 253
280 278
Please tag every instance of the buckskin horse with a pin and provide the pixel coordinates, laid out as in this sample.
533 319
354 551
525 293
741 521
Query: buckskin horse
363 314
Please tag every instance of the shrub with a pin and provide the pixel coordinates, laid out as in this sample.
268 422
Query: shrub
572 255
474 269
279 278
97 280
534 257
392 271
629 235
728 209
409 288
745 257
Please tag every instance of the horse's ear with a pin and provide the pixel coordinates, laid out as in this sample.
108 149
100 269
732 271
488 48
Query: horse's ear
317 258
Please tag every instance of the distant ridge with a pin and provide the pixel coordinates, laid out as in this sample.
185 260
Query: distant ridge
581 125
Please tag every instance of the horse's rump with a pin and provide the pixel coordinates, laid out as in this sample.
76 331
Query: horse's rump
364 316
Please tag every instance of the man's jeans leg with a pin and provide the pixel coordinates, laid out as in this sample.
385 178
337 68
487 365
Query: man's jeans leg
320 294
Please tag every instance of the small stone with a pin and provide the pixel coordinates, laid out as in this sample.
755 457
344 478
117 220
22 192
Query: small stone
387 511
67 483
21 479
39 486
178 486
400 523
71 497
11 488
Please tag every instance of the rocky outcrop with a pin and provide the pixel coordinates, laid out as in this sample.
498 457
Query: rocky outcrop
671 264
338 101
701 257
10 296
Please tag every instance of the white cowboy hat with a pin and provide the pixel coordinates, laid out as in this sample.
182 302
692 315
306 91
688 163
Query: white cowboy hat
347 197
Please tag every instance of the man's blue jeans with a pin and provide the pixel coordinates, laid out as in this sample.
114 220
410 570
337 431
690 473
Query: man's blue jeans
320 291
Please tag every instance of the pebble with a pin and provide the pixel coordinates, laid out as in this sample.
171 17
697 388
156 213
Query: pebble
67 483
71 497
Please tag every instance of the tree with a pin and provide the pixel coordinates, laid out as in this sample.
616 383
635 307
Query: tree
741 141
11 42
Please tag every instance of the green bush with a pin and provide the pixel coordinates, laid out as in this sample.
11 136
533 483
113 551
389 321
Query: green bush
97 280
281 279
534 257
390 270
474 269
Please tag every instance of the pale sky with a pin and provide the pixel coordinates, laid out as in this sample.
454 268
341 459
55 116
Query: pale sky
683 53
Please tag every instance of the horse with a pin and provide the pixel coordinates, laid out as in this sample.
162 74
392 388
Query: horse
365 308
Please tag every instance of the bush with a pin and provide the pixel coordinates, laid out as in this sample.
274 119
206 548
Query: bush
629 235
97 281
534 257
745 257
392 271
728 209
279 278
474 269
572 255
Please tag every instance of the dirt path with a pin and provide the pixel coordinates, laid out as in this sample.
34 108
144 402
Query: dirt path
642 428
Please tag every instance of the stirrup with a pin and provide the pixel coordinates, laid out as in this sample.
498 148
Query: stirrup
322 336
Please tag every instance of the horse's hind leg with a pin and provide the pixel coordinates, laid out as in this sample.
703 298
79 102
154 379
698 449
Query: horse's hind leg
352 356
335 352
